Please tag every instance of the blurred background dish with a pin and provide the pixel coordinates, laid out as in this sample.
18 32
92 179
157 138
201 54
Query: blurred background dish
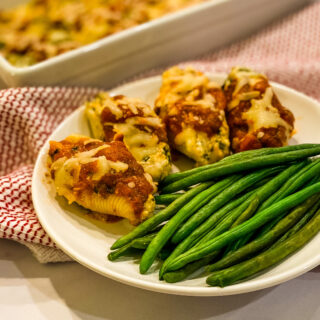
168 39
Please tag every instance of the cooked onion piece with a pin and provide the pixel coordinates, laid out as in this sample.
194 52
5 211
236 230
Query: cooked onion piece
134 122
103 177
193 110
255 115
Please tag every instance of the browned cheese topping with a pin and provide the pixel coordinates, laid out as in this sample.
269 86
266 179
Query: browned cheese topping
255 116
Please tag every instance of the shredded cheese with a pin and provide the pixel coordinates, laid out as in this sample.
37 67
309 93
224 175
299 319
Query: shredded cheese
69 169
243 77
90 141
242 97
140 143
263 115
114 108
186 82
134 105
180 83
145 121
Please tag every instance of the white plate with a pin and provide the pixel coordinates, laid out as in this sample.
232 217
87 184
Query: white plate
88 241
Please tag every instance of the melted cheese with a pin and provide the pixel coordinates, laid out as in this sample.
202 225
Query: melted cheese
132 107
147 121
67 171
242 97
186 82
90 153
135 105
90 141
139 142
180 83
94 115
199 147
113 107
263 114
243 77
102 101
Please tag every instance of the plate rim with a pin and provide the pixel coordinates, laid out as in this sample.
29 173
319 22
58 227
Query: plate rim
168 288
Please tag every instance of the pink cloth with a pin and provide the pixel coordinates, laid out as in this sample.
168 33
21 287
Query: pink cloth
287 51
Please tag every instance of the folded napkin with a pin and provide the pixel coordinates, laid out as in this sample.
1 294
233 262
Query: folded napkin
287 52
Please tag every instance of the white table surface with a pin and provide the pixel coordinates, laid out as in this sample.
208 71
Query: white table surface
30 290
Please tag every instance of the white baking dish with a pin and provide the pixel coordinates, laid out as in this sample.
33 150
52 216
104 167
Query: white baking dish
172 38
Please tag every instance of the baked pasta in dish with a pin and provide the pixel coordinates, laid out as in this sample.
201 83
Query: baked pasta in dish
192 108
255 116
41 29
102 177
134 122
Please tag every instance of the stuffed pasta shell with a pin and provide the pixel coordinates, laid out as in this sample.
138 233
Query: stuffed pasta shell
134 122
192 108
102 177
255 115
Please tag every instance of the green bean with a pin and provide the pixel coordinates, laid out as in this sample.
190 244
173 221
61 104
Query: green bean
143 242
302 222
240 166
244 210
252 224
179 275
243 217
184 213
247 207
245 239
114 255
292 185
235 157
305 173
267 227
247 213
216 203
164 253
263 193
267 239
167 198
229 222
163 215
305 177
203 229
139 243
267 258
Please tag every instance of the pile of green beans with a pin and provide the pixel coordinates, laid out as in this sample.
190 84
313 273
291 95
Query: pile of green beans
231 219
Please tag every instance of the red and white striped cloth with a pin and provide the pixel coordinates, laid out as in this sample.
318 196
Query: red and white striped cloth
287 51
27 117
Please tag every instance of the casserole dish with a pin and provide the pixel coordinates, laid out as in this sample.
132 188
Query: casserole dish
169 39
